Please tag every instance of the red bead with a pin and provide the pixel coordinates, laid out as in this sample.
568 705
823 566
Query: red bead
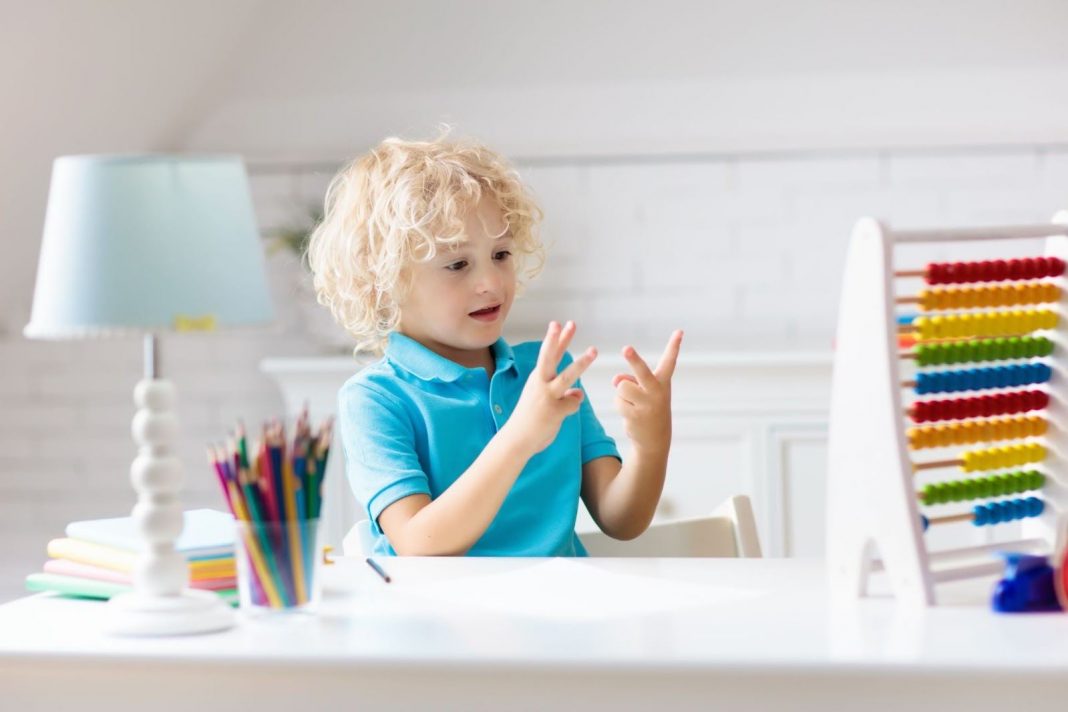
932 272
1000 269
1030 267
1016 269
1056 267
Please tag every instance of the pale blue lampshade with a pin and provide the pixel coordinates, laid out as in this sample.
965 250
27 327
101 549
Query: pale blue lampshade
148 243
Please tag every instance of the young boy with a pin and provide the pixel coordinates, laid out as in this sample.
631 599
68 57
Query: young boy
456 442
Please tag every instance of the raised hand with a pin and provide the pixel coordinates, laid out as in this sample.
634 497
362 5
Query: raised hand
643 398
548 397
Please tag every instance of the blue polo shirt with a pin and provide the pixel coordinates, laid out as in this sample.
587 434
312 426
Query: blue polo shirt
414 421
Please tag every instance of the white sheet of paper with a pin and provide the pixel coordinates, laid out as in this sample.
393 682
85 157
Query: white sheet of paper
567 589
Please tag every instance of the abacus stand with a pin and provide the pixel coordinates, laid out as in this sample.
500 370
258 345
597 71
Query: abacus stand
873 520
160 603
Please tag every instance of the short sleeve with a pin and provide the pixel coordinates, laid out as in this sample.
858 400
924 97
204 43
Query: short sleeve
595 441
381 463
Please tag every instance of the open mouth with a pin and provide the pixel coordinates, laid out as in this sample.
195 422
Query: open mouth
487 314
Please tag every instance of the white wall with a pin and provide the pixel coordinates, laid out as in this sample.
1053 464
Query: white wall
630 76
644 126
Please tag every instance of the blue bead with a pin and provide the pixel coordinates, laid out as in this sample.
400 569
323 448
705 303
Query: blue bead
981 515
925 522
1035 506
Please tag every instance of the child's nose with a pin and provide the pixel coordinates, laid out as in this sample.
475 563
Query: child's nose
489 281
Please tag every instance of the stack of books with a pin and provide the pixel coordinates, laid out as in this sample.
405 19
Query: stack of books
96 558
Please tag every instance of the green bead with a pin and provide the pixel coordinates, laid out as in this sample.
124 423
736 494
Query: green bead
992 350
996 489
1015 347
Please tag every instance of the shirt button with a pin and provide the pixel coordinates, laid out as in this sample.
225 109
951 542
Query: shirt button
497 409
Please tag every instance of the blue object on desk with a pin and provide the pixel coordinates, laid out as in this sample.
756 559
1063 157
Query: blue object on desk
1027 585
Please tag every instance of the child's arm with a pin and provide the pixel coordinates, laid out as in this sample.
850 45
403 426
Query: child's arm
622 498
452 523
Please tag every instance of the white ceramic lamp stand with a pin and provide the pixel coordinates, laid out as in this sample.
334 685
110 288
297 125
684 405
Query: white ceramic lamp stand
161 603
141 245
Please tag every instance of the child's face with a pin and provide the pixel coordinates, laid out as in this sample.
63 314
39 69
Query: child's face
457 302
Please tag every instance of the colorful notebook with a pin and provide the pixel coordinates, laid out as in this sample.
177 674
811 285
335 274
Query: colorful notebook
88 588
66 567
206 533
108 557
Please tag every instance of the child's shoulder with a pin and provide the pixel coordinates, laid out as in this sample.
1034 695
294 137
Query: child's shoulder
378 378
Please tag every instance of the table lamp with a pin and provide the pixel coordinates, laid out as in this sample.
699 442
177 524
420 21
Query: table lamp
146 244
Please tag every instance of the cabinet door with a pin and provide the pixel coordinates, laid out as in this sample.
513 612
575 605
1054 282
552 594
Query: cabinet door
797 491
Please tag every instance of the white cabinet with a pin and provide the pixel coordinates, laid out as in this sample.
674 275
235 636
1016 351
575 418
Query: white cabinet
744 424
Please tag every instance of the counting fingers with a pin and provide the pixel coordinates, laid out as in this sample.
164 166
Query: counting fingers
562 343
546 366
646 378
563 382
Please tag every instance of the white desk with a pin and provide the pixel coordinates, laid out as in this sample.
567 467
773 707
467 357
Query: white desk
768 640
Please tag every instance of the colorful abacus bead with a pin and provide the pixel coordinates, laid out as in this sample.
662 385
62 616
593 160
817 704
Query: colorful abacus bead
974 379
1000 349
993 270
996 458
1005 323
1006 511
1002 295
979 406
970 432
982 487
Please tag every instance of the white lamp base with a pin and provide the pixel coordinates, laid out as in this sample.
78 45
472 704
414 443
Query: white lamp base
188 613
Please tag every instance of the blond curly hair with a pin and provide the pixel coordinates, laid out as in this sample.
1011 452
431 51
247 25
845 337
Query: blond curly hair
401 203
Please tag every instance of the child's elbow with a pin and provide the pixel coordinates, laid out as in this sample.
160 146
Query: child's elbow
423 546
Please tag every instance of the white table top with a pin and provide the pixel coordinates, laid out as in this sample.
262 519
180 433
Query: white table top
707 617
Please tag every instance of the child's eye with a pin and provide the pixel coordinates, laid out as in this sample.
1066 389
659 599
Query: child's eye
502 255
456 266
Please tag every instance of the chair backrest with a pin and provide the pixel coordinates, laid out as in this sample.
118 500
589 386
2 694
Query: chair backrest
358 542
729 532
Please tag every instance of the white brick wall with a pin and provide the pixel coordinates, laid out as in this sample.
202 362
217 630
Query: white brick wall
743 252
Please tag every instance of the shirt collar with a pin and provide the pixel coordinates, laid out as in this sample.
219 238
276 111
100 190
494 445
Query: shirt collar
417 359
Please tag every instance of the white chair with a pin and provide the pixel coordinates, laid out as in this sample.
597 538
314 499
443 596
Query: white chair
358 542
729 532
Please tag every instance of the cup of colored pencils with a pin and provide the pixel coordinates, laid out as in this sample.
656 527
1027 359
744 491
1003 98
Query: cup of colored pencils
274 490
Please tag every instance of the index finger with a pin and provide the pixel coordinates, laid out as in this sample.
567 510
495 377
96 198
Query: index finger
666 368
641 369
548 346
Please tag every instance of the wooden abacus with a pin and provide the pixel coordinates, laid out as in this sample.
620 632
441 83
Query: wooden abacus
1004 318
